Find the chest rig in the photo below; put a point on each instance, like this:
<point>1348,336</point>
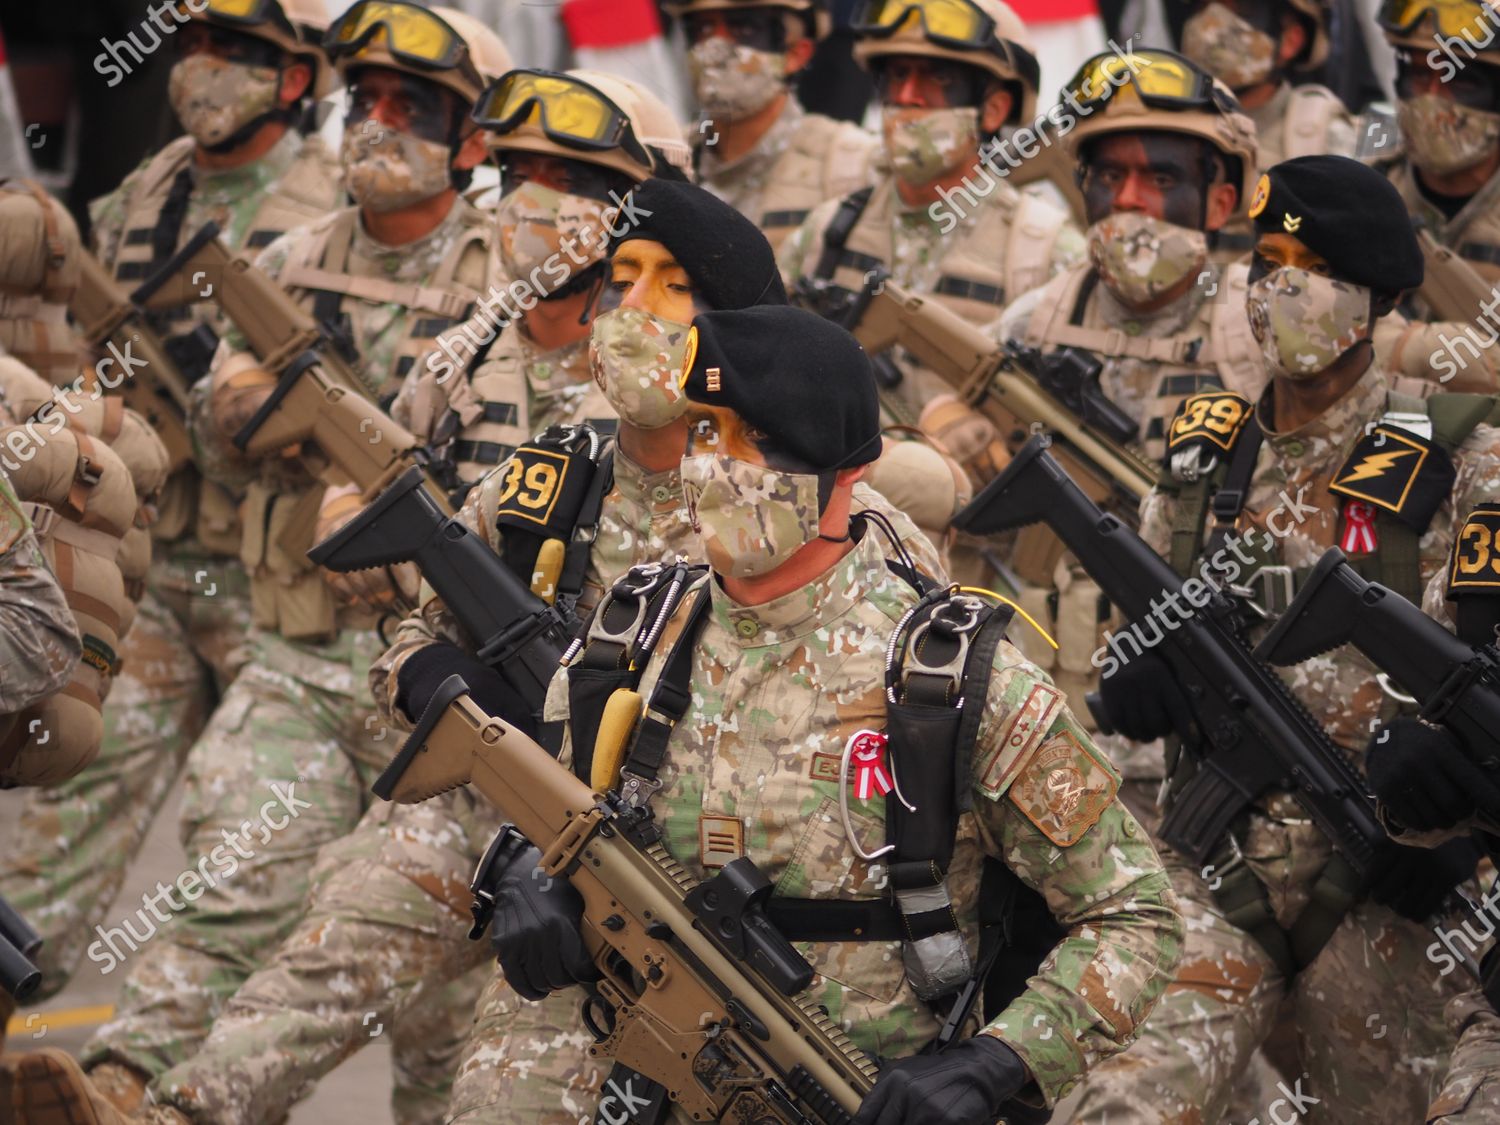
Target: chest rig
<point>825,159</point>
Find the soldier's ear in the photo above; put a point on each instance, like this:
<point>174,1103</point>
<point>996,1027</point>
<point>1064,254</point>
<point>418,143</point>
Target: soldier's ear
<point>845,478</point>
<point>995,110</point>
<point>296,80</point>
<point>799,53</point>
<point>1293,39</point>
<point>1223,199</point>
<point>472,151</point>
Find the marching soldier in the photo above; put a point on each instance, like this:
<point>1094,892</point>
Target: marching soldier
<point>239,87</point>
<point>1331,453</point>
<point>756,147</point>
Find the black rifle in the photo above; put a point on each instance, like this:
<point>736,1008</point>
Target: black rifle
<point>18,942</point>
<point>513,630</point>
<point>1457,686</point>
<point>1252,734</point>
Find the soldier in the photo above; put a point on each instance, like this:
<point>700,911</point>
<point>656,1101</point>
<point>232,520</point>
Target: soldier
<point>756,147</point>
<point>1331,453</point>
<point>238,87</point>
<point>1255,47</point>
<point>800,608</point>
<point>290,752</point>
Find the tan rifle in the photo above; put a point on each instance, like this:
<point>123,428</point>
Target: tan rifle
<point>1451,287</point>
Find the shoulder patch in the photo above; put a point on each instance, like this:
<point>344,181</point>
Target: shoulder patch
<point>1212,418</point>
<point>1476,554</point>
<point>1023,730</point>
<point>1399,471</point>
<point>1064,789</point>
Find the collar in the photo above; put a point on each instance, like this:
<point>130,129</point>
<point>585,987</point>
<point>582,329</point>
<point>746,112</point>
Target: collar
<point>412,260</point>
<point>248,179</point>
<point>569,361</point>
<point>1337,428</point>
<point>772,144</point>
<point>1447,230</point>
<point>816,606</point>
<point>660,492</point>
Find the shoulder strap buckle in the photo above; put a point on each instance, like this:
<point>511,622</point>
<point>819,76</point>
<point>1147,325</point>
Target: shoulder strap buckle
<point>1274,600</point>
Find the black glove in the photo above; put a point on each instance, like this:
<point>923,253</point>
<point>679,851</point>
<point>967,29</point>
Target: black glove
<point>968,1084</point>
<point>1414,881</point>
<point>1142,699</point>
<point>424,671</point>
<point>535,931</point>
<point>1425,779</point>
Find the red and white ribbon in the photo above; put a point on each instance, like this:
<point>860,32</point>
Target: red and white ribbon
<point>1359,528</point>
<point>866,749</point>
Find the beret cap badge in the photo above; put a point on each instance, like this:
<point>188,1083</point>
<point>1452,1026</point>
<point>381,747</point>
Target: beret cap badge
<point>1261,197</point>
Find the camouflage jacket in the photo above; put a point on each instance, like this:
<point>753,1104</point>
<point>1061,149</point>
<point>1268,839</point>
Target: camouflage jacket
<point>1289,492</point>
<point>777,691</point>
<point>39,642</point>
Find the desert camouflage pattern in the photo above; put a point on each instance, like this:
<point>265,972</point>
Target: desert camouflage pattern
<point>1471,1090</point>
<point>637,361</point>
<point>922,144</point>
<point>750,519</point>
<point>214,99</point>
<point>39,642</point>
<point>733,81</point>
<point>1227,46</point>
<point>1305,322</point>
<point>777,690</point>
<point>548,237</point>
<point>1374,974</point>
<point>387,169</point>
<point>1444,137</point>
<point>741,183</point>
<point>1140,257</point>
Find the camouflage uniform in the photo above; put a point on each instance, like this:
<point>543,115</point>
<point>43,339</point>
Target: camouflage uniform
<point>737,761</point>
<point>299,715</point>
<point>76,839</point>
<point>1372,998</point>
<point>40,641</point>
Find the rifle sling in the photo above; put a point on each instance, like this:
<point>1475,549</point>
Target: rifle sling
<point>836,234</point>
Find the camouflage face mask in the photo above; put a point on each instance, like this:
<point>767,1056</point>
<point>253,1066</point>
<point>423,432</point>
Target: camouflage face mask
<point>1305,322</point>
<point>750,519</point>
<point>215,99</point>
<point>922,144</point>
<point>637,361</point>
<point>1140,258</point>
<point>548,237</point>
<point>733,81</point>
<point>1229,47</point>
<point>387,169</point>
<point>1444,137</point>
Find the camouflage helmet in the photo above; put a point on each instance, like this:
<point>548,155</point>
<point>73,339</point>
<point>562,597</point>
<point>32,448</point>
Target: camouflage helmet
<point>814,13</point>
<point>1128,107</point>
<point>296,26</point>
<point>1008,54</point>
<point>651,123</point>
<point>39,271</point>
<point>1417,25</point>
<point>362,37</point>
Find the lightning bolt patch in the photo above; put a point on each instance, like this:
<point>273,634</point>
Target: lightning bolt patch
<point>1375,464</point>
<point>1397,470</point>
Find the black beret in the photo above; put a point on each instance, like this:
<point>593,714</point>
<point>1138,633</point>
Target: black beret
<point>731,263</point>
<point>1345,212</point>
<point>803,381</point>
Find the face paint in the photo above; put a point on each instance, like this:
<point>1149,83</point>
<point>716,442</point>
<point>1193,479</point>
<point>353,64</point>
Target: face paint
<point>733,81</point>
<point>386,170</point>
<point>549,236</point>
<point>1229,47</point>
<point>1443,136</point>
<point>637,361</point>
<point>750,519</point>
<point>1306,322</point>
<point>924,143</point>
<point>214,99</point>
<point>1162,175</point>
<point>1140,258</point>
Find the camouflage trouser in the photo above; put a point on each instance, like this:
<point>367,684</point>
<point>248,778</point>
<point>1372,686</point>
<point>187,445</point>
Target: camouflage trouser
<point>283,768</point>
<point>384,944</point>
<point>1369,1017</point>
<point>1471,1091</point>
<point>75,840</point>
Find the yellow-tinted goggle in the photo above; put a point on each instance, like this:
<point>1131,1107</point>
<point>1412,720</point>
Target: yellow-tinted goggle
<point>955,23</point>
<point>410,33</point>
<point>1452,18</point>
<point>1162,79</point>
<point>568,111</point>
<point>248,13</point>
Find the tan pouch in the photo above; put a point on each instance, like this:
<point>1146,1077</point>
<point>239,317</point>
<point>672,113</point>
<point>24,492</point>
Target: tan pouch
<point>218,519</point>
<point>287,593</point>
<point>176,507</point>
<point>1037,553</point>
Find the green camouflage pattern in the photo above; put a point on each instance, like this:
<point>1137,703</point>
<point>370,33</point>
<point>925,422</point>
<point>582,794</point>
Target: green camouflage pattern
<point>1139,257</point>
<point>1442,136</point>
<point>1228,46</point>
<point>214,98</point>
<point>637,361</point>
<point>749,519</point>
<point>387,169</point>
<point>39,643</point>
<point>1471,1089</point>
<point>1305,322</point>
<point>922,144</point>
<point>548,237</point>
<point>733,81</point>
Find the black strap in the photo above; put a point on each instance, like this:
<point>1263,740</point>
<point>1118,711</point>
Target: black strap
<point>481,452</point>
<point>1229,500</point>
<point>964,290</point>
<point>783,218</point>
<point>1085,291</point>
<point>818,919</point>
<point>1478,252</point>
<point>580,547</point>
<point>169,220</point>
<point>837,232</point>
<point>670,699</point>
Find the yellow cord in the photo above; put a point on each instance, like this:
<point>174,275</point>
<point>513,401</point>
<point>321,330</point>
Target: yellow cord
<point>1002,598</point>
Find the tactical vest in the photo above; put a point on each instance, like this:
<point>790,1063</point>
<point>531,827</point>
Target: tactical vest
<point>1474,233</point>
<point>34,317</point>
<point>1189,362</point>
<point>826,159</point>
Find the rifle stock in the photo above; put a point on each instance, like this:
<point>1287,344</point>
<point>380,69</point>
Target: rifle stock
<point>680,1007</point>
<point>1451,287</point>
<point>994,379</point>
